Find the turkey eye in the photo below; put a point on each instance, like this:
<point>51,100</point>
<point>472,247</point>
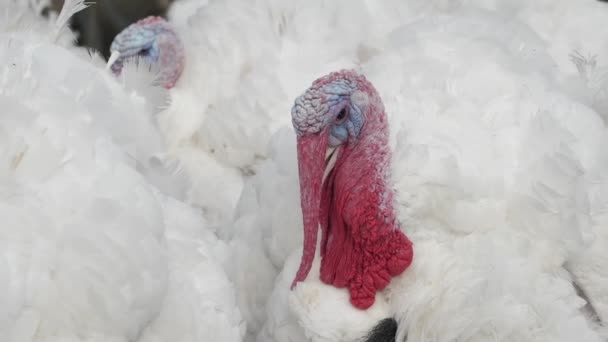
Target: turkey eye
<point>143,52</point>
<point>341,116</point>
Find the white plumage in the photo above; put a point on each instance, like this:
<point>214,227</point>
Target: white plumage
<point>92,250</point>
<point>499,176</point>
<point>498,161</point>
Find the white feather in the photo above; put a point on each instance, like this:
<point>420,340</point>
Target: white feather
<point>69,8</point>
<point>91,250</point>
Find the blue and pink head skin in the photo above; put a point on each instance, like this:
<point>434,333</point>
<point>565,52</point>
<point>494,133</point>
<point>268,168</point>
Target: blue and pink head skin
<point>344,169</point>
<point>153,40</point>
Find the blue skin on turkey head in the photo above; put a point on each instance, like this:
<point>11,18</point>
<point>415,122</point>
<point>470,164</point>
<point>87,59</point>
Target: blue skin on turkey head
<point>154,42</point>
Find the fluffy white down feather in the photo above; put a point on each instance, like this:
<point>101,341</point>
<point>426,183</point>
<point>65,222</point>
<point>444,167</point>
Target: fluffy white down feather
<point>90,248</point>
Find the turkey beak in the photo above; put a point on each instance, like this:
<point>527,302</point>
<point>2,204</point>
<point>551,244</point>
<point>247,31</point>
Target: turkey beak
<point>312,153</point>
<point>113,58</point>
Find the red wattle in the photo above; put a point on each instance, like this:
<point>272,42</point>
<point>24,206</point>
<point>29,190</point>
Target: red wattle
<point>364,246</point>
<point>364,257</point>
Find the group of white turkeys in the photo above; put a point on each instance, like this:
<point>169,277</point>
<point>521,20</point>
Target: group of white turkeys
<point>135,212</point>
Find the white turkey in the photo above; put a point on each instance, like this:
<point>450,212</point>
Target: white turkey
<point>500,185</point>
<point>95,244</point>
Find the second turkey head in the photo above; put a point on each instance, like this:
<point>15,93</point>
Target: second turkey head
<point>153,41</point>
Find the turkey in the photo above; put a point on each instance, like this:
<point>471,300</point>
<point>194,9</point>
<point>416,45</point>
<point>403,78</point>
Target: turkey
<point>153,40</point>
<point>500,187</point>
<point>175,50</point>
<point>96,244</point>
<point>474,267</point>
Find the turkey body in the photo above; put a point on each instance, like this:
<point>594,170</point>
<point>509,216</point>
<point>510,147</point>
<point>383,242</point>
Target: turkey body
<point>498,177</point>
<point>96,245</point>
